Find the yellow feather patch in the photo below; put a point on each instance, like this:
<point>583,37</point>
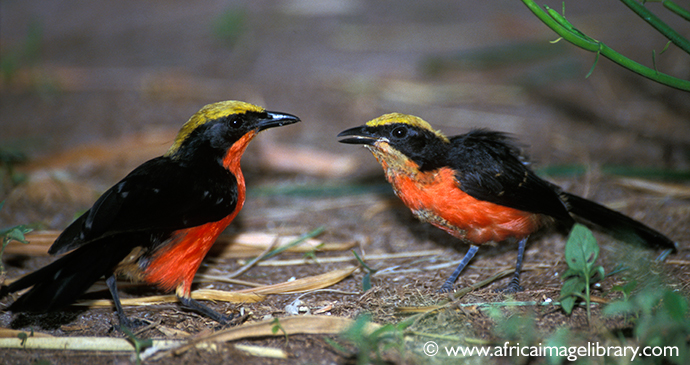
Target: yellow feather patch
<point>394,118</point>
<point>208,113</point>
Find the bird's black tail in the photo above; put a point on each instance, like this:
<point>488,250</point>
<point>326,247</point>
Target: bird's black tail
<point>63,281</point>
<point>618,225</point>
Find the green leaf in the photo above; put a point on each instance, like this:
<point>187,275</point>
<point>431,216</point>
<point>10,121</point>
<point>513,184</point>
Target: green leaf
<point>570,291</point>
<point>626,289</point>
<point>140,344</point>
<point>675,305</point>
<point>581,249</point>
<point>366,282</point>
<point>295,242</point>
<point>571,273</point>
<point>17,234</point>
<point>594,65</point>
<point>361,262</point>
<point>22,336</point>
<point>619,307</point>
<point>278,327</point>
<point>598,273</point>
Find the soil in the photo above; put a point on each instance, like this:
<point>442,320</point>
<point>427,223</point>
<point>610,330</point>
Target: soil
<point>114,82</point>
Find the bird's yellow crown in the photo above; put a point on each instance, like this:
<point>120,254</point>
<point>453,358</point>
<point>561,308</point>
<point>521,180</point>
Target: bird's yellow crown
<point>411,120</point>
<point>208,113</point>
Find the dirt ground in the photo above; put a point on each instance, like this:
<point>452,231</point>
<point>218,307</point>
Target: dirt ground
<point>92,89</point>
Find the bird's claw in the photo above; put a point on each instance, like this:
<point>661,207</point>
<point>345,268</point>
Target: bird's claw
<point>131,325</point>
<point>446,288</point>
<point>512,288</point>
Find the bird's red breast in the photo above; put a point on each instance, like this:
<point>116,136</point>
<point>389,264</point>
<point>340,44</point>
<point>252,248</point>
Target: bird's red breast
<point>435,197</point>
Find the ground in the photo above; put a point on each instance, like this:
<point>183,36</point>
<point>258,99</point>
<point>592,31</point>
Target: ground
<point>90,90</point>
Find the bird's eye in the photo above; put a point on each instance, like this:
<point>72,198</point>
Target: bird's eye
<point>399,132</point>
<point>236,122</point>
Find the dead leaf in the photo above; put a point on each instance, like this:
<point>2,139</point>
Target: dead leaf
<point>81,343</point>
<point>10,333</point>
<point>250,295</point>
<point>303,284</point>
<point>201,294</point>
<point>262,351</point>
<point>227,246</point>
<point>308,324</point>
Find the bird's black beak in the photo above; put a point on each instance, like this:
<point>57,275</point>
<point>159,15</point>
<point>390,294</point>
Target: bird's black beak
<point>276,119</point>
<point>358,135</point>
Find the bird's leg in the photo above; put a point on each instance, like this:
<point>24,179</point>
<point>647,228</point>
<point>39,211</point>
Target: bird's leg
<point>188,302</point>
<point>111,281</point>
<point>514,285</point>
<point>448,285</point>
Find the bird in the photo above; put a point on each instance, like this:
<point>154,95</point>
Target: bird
<point>157,224</point>
<point>479,188</point>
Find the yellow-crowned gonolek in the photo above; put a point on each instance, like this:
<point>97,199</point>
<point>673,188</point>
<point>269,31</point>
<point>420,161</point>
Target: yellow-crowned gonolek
<point>476,187</point>
<point>156,224</point>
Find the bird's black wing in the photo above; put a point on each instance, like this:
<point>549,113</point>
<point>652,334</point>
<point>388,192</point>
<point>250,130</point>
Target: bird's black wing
<point>489,168</point>
<point>161,195</point>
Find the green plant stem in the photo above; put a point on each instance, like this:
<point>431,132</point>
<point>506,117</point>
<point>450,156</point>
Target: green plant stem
<point>559,25</point>
<point>588,300</point>
<point>658,24</point>
<point>673,7</point>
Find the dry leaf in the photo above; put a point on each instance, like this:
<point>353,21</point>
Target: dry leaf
<point>252,243</point>
<point>422,309</point>
<point>324,309</point>
<point>251,295</point>
<point>10,333</point>
<point>241,245</point>
<point>172,332</point>
<point>348,258</point>
<point>261,351</point>
<point>303,284</point>
<point>81,343</point>
<point>313,325</point>
<point>201,294</point>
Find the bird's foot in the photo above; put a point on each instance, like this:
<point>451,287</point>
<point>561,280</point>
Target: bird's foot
<point>512,288</point>
<point>223,320</point>
<point>131,325</point>
<point>446,288</point>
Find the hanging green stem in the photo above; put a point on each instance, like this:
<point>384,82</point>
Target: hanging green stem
<point>673,7</point>
<point>659,25</point>
<point>559,24</point>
